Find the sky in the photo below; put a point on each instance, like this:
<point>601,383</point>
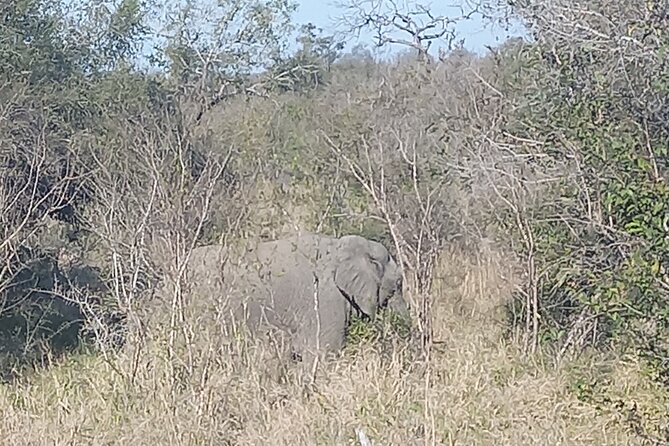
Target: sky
<point>475,31</point>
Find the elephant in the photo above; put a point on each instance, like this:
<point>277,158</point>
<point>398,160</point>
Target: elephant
<point>308,285</point>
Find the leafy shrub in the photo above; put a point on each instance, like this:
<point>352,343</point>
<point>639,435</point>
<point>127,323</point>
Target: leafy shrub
<point>599,236</point>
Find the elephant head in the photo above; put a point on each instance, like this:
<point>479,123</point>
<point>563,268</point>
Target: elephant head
<point>367,275</point>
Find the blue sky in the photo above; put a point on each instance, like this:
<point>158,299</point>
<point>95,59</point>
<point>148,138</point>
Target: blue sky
<point>475,31</point>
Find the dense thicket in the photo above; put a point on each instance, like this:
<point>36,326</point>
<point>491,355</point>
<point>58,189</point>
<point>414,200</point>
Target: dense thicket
<point>593,101</point>
<point>553,147</point>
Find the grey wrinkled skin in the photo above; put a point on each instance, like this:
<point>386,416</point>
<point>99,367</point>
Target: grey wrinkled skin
<point>308,285</point>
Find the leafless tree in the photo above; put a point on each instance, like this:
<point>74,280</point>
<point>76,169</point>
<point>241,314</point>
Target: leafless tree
<point>409,24</point>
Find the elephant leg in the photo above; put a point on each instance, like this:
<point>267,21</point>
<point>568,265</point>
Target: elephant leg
<point>317,337</point>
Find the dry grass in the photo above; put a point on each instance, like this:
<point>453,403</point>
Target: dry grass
<point>476,388</point>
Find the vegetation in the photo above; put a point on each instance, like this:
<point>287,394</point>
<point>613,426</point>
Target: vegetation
<point>524,192</point>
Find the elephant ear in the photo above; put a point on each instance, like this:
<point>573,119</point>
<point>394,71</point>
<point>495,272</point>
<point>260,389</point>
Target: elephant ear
<point>358,275</point>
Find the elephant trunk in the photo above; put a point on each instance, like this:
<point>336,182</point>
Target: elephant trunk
<point>390,291</point>
<point>398,305</point>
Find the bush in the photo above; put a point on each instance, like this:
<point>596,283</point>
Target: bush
<point>597,239</point>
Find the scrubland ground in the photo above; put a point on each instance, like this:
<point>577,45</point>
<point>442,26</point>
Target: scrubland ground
<point>476,387</point>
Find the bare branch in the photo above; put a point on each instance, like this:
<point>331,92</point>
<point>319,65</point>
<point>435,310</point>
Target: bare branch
<point>388,21</point>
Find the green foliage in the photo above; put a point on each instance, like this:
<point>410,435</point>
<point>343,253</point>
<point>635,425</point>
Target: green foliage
<point>310,66</point>
<point>359,331</point>
<point>213,44</point>
<point>387,328</point>
<point>72,94</point>
<point>601,244</point>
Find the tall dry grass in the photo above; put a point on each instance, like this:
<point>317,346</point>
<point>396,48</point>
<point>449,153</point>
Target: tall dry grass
<point>474,388</point>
